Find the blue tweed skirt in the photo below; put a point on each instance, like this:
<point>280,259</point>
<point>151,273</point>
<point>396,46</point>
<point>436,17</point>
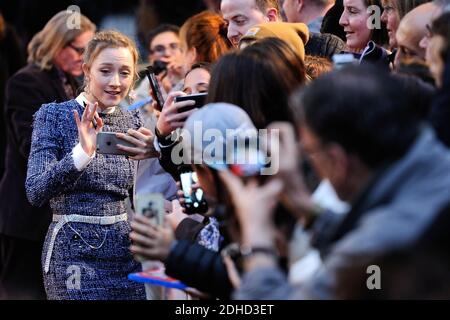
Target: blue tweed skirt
<point>91,262</point>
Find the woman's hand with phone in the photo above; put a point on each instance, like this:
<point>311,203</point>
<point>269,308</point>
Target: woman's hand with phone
<point>169,118</point>
<point>142,139</point>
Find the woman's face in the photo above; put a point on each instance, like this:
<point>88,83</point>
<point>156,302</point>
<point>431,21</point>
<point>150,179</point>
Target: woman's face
<point>354,20</point>
<point>434,58</point>
<point>70,58</point>
<point>110,76</point>
<point>391,18</point>
<point>196,81</point>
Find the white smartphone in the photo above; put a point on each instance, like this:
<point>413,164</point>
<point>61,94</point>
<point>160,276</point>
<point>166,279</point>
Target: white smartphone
<point>151,205</point>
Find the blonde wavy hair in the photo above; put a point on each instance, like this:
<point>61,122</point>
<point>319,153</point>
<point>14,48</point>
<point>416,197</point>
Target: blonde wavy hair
<point>110,39</point>
<point>55,36</point>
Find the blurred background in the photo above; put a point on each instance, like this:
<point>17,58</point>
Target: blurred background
<point>135,18</point>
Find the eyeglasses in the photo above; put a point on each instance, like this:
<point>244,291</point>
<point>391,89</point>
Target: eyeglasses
<point>160,49</point>
<point>79,50</point>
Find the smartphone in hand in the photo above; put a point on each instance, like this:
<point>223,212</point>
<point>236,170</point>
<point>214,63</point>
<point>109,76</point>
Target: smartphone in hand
<point>195,201</point>
<point>199,99</point>
<point>154,84</point>
<point>107,143</point>
<point>151,205</point>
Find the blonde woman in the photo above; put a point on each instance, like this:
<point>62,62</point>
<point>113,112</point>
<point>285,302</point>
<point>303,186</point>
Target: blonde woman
<point>54,60</point>
<point>86,252</point>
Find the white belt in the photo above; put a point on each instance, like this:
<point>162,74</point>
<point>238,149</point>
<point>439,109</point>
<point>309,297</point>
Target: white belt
<point>61,220</point>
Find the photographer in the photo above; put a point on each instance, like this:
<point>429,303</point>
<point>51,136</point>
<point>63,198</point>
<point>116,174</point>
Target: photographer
<point>166,55</point>
<point>393,175</point>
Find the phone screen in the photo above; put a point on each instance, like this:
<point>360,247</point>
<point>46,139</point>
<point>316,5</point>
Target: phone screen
<point>194,199</point>
<point>151,205</point>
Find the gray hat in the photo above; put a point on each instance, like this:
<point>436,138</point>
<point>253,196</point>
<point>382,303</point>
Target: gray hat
<point>218,134</point>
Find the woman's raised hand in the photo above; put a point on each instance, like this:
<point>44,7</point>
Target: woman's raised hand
<point>88,127</point>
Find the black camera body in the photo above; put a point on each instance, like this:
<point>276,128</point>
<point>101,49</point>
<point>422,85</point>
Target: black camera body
<point>159,67</point>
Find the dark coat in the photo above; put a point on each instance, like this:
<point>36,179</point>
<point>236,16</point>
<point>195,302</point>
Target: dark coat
<point>11,60</point>
<point>324,45</point>
<point>200,268</point>
<point>440,109</point>
<point>26,91</point>
<point>196,265</point>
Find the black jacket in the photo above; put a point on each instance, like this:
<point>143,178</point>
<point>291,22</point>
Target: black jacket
<point>324,45</point>
<point>199,268</point>
<point>11,60</point>
<point>26,91</point>
<point>440,108</point>
<point>165,157</point>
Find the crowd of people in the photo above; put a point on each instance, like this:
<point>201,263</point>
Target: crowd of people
<point>320,149</point>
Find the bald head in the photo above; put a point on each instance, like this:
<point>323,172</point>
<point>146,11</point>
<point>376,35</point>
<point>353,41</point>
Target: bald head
<point>413,27</point>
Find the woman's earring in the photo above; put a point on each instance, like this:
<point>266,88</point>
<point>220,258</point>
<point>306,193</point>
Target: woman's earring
<point>131,96</point>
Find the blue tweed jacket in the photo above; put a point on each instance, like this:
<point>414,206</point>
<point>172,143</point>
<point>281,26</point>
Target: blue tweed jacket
<point>99,252</point>
<point>53,176</point>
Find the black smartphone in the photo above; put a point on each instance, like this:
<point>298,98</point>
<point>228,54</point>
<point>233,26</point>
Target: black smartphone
<point>154,84</point>
<point>199,99</point>
<point>195,201</point>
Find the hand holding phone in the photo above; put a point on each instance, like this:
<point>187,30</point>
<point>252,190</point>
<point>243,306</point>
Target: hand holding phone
<point>154,84</point>
<point>195,201</point>
<point>199,99</point>
<point>151,206</point>
<point>169,118</point>
<point>107,144</point>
